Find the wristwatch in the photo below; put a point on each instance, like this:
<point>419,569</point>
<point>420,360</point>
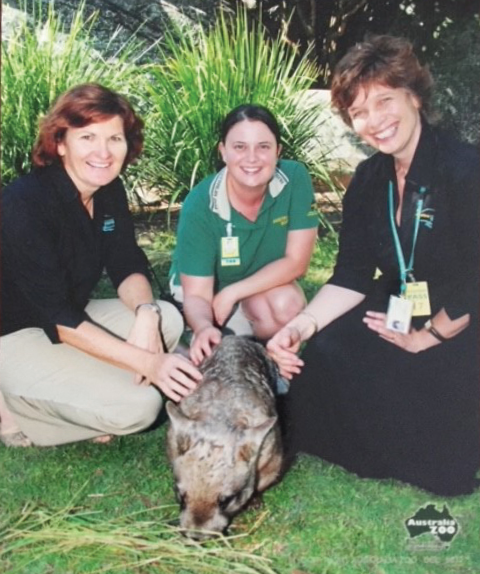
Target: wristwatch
<point>431,329</point>
<point>151,306</point>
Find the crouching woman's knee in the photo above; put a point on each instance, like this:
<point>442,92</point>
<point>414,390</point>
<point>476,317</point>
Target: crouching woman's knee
<point>287,301</point>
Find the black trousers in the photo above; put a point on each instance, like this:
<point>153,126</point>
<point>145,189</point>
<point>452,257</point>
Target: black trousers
<point>382,412</point>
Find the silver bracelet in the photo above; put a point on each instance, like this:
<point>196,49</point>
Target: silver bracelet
<point>312,318</point>
<point>151,306</point>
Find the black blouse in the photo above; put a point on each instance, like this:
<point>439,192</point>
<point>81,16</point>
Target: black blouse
<point>447,253</point>
<point>53,252</point>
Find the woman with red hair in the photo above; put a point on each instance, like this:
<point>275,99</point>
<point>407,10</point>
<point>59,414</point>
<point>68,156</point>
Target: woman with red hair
<point>72,368</point>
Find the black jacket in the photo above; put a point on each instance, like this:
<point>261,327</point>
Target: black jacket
<point>447,253</point>
<point>53,253</point>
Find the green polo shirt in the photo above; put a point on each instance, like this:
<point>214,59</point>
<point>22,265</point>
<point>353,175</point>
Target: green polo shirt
<point>207,217</point>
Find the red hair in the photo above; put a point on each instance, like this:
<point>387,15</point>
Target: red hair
<point>79,107</point>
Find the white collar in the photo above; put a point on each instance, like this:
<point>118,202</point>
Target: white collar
<point>219,203</point>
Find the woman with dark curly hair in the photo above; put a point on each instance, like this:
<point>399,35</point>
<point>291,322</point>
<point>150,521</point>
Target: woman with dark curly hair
<point>389,381</point>
<point>72,368</point>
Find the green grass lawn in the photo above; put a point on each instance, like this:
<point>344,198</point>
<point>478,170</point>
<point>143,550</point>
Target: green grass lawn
<point>86,508</point>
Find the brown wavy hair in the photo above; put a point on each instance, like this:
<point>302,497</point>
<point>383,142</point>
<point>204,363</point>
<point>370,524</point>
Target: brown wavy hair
<point>380,59</point>
<point>78,107</point>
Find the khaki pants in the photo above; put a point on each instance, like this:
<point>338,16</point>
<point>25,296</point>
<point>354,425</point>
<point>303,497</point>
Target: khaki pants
<point>58,394</point>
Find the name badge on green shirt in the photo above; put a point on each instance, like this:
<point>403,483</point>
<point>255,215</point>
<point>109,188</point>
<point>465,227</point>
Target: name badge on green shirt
<point>230,251</point>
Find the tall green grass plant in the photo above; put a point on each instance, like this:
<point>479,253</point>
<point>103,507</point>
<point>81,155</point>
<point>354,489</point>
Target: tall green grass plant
<point>40,60</point>
<point>206,74</point>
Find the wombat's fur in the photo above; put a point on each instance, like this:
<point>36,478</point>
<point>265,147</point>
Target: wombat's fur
<point>224,439</point>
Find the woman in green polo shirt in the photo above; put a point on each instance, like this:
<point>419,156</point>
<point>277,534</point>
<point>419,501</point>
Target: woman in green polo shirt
<point>245,235</point>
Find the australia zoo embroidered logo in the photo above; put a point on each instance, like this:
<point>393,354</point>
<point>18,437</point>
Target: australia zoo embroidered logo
<point>437,526</point>
<point>427,216</point>
<point>108,224</point>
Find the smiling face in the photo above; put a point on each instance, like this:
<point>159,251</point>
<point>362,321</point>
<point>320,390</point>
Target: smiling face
<point>93,155</point>
<point>250,152</point>
<point>388,119</point>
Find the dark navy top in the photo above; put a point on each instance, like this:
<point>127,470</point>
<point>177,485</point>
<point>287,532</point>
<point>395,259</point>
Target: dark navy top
<point>53,252</point>
<point>365,403</point>
<point>447,253</point>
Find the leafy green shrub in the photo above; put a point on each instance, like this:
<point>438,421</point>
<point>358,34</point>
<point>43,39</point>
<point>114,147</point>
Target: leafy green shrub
<point>456,69</point>
<point>40,60</point>
<point>206,74</point>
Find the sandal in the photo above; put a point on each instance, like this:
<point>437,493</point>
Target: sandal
<point>104,439</point>
<point>15,439</point>
<point>10,433</point>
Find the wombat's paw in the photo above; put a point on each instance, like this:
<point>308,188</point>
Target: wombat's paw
<point>256,502</point>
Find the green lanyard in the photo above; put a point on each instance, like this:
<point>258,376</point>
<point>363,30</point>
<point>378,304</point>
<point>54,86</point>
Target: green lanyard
<point>404,270</point>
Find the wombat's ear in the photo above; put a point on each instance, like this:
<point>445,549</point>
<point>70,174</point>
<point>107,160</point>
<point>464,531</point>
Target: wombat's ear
<point>180,422</point>
<point>253,437</point>
<point>263,428</point>
<point>180,425</point>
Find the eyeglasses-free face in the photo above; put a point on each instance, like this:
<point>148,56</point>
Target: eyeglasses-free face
<point>250,152</point>
<point>93,155</point>
<point>388,119</point>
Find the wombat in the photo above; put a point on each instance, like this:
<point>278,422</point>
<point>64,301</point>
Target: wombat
<point>224,439</point>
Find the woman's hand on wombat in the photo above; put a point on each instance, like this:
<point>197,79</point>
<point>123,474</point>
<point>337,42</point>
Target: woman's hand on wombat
<point>283,348</point>
<point>204,342</point>
<point>174,375</point>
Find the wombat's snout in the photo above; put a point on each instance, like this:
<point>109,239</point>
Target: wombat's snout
<point>202,516</point>
<point>200,527</point>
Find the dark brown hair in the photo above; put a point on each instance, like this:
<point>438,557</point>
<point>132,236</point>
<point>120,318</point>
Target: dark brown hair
<point>78,107</point>
<point>385,60</point>
<point>252,112</point>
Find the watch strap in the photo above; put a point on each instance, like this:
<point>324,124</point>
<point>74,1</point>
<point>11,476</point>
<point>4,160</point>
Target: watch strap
<point>431,329</point>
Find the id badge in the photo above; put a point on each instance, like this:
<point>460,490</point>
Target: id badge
<point>230,251</point>
<point>417,293</point>
<point>399,314</point>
